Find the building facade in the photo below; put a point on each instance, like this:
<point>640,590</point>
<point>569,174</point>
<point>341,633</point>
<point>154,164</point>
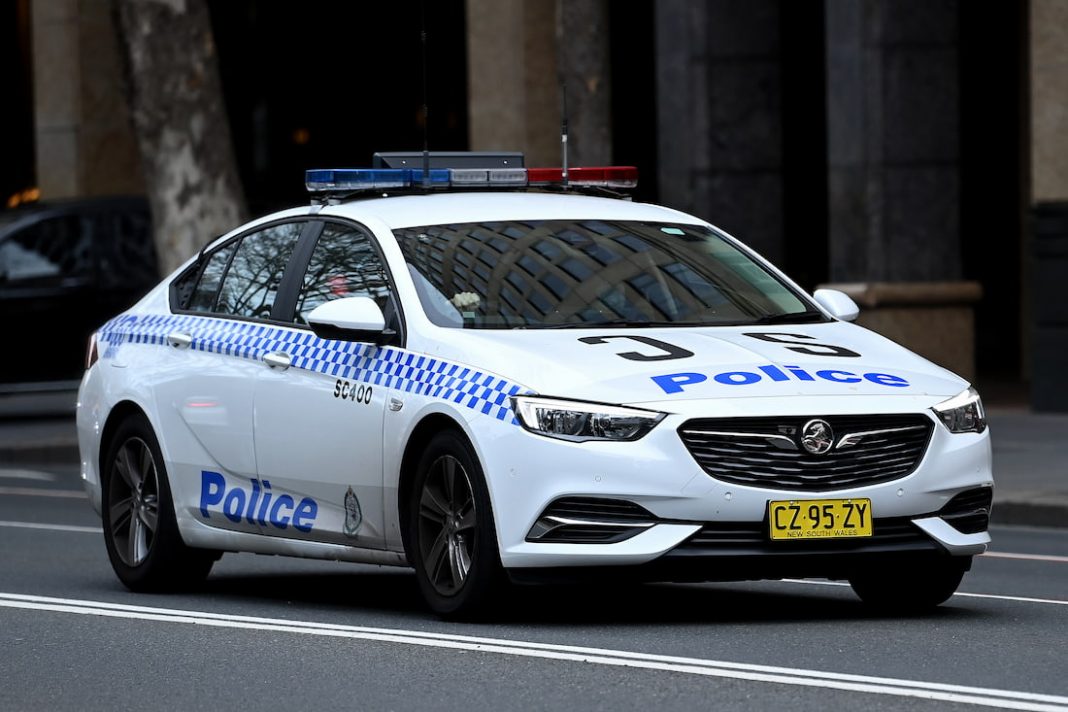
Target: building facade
<point>913,153</point>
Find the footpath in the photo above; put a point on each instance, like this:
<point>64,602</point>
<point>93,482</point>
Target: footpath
<point>1030,452</point>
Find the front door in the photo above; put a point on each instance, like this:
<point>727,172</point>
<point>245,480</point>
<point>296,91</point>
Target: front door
<point>318,415</point>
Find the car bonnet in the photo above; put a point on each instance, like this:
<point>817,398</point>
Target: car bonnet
<point>678,364</point>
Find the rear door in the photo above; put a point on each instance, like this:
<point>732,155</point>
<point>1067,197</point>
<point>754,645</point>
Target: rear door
<point>207,372</point>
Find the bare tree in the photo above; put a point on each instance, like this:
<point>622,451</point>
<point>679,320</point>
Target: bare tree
<point>175,99</point>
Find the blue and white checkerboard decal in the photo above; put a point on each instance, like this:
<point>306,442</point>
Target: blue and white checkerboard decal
<point>385,366</point>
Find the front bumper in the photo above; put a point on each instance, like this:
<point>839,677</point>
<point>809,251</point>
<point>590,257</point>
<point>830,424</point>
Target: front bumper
<point>527,472</point>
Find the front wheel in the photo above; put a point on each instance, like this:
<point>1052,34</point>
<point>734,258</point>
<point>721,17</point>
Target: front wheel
<point>910,588</point>
<point>140,530</point>
<point>451,537</point>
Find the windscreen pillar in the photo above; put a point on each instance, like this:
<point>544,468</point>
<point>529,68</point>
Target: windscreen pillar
<point>719,116</point>
<point>893,172</point>
<point>85,144</point>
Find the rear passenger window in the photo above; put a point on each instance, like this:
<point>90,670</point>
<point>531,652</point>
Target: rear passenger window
<point>203,298</point>
<point>242,277</point>
<point>251,283</point>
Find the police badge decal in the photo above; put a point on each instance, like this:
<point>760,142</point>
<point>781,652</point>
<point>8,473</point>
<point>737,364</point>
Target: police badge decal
<point>353,515</point>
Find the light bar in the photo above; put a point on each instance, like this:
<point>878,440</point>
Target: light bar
<point>375,179</point>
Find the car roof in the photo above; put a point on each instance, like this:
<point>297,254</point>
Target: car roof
<point>16,219</point>
<point>450,208</point>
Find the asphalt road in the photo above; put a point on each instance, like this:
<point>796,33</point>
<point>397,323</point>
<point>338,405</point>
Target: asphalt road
<point>267,633</point>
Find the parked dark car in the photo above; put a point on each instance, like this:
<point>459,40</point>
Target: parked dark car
<point>66,267</point>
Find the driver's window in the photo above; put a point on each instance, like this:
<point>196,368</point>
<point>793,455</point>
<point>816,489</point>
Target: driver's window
<point>343,264</point>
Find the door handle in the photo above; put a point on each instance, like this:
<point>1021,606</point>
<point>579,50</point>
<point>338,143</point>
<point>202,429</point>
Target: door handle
<point>279,359</point>
<point>179,340</point>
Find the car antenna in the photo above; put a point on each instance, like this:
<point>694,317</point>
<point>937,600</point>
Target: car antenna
<point>563,128</point>
<point>426,106</point>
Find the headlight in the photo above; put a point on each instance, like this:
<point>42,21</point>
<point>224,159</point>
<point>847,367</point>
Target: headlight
<point>963,413</point>
<point>578,421</point>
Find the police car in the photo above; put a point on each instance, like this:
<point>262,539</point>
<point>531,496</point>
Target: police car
<point>501,375</point>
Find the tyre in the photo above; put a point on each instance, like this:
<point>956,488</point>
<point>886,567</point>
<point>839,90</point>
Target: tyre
<point>140,531</point>
<point>910,588</point>
<point>451,537</point>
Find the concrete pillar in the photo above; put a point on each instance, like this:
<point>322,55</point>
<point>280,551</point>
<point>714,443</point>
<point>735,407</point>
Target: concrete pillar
<point>719,115</point>
<point>892,140</point>
<point>583,57</point>
<point>894,173</point>
<point>85,143</point>
<point>1046,264</point>
<point>1049,100</point>
<point>514,97</point>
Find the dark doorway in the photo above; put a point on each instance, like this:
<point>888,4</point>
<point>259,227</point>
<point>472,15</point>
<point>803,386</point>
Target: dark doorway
<point>632,57</point>
<point>328,84</point>
<point>992,97</point>
<point>16,120</point>
<point>804,142</point>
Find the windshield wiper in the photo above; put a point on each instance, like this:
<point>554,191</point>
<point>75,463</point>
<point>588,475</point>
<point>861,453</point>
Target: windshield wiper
<point>804,317</point>
<point>614,324</point>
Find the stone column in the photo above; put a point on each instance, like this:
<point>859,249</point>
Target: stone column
<point>893,172</point>
<point>1046,264</point>
<point>583,58</point>
<point>85,143</point>
<point>892,140</point>
<point>719,115</point>
<point>514,97</point>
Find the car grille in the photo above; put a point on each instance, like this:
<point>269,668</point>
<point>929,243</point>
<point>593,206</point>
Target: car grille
<point>727,535</point>
<point>767,452</point>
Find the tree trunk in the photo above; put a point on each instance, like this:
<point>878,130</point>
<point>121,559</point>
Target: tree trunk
<point>583,61</point>
<point>175,98</point>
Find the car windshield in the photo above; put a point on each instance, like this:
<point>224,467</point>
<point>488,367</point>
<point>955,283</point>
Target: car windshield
<point>558,274</point>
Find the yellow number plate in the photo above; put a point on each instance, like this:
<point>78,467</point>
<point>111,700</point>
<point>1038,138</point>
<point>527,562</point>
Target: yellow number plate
<point>819,518</point>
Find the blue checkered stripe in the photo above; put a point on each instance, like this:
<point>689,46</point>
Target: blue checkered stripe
<point>380,366</point>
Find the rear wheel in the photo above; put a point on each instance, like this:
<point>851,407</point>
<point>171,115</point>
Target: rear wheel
<point>451,538</point>
<point>140,530</point>
<point>912,587</point>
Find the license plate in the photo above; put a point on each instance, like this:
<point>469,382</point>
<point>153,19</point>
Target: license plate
<point>819,518</point>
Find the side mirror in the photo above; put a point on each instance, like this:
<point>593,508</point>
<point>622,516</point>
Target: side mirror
<point>350,319</point>
<point>839,304</point>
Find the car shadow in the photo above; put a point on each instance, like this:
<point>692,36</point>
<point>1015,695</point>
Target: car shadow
<point>394,592</point>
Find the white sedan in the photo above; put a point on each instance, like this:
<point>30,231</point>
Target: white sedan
<point>521,383</point>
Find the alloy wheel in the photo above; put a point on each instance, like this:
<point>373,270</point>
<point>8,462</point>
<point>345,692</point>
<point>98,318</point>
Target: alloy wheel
<point>447,521</point>
<point>133,502</point>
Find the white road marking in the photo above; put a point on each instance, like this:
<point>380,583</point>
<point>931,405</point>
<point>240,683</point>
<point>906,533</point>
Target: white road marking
<point>1028,557</point>
<point>1003,699</point>
<point>27,475</point>
<point>811,582</point>
<point>1018,599</point>
<point>38,492</point>
<point>53,527</point>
